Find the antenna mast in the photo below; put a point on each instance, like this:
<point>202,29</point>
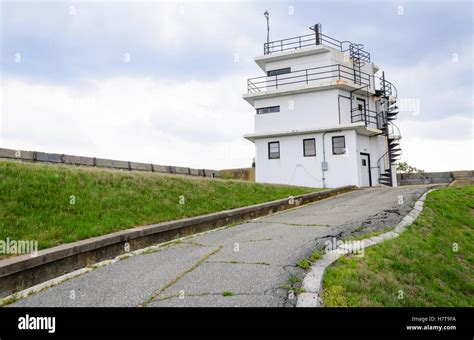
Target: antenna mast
<point>267,16</point>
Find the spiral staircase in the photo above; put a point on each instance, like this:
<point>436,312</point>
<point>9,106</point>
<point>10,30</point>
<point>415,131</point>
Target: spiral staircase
<point>386,163</point>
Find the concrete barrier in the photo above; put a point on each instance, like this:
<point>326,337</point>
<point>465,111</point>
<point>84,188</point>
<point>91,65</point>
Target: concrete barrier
<point>110,163</point>
<point>17,154</point>
<point>79,160</point>
<point>181,170</point>
<point>424,178</point>
<point>24,271</point>
<point>160,168</point>
<point>140,166</point>
<point>101,162</point>
<point>194,172</point>
<point>48,157</point>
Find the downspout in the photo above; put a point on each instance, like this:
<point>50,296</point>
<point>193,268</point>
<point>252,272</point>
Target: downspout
<point>324,156</point>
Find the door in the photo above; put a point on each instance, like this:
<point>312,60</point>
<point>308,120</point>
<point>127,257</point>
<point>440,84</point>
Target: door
<point>361,113</point>
<point>366,178</point>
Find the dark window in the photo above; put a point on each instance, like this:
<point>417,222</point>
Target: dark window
<point>269,109</point>
<point>309,147</point>
<point>279,71</point>
<point>364,162</point>
<point>361,104</point>
<point>273,150</point>
<point>338,145</point>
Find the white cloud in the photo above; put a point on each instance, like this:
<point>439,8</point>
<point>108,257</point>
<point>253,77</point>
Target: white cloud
<point>442,86</point>
<point>438,155</point>
<point>441,145</point>
<point>197,124</point>
<point>200,123</point>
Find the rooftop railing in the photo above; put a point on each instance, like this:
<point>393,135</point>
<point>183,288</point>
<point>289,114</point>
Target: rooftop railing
<point>312,39</point>
<point>317,74</point>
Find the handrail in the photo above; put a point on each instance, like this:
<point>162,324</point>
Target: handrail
<point>311,40</point>
<point>378,162</point>
<point>334,71</point>
<point>394,134</point>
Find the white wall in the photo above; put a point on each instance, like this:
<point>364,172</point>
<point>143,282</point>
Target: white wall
<point>317,60</point>
<point>294,169</point>
<point>299,111</point>
<point>318,109</point>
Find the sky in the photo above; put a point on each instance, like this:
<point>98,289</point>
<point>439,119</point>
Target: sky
<point>162,82</point>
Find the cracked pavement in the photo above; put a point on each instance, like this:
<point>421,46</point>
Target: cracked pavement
<point>249,261</point>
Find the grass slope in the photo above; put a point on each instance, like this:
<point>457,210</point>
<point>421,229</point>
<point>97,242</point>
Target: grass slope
<point>419,268</point>
<point>35,200</point>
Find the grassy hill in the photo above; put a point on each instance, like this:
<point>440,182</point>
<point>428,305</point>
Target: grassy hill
<point>57,204</point>
<point>431,264</point>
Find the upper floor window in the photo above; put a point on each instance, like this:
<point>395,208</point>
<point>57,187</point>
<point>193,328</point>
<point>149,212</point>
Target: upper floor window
<point>279,71</point>
<point>274,150</point>
<point>338,145</point>
<point>269,109</point>
<point>309,147</point>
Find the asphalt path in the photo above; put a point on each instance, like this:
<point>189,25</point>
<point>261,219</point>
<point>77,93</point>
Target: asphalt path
<point>242,265</point>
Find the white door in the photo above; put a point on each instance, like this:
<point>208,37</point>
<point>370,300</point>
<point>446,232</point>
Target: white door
<point>365,170</point>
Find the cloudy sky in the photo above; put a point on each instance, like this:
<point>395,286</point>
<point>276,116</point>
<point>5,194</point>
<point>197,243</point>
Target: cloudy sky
<point>162,82</point>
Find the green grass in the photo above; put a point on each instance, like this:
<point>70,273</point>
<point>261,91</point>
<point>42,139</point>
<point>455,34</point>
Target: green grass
<point>35,200</point>
<point>304,264</point>
<point>419,268</point>
<point>316,255</point>
<point>227,293</point>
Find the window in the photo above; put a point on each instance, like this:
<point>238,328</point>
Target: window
<point>274,150</point>
<point>279,71</point>
<point>269,109</point>
<point>338,145</point>
<point>309,147</point>
<point>361,105</point>
<point>364,162</point>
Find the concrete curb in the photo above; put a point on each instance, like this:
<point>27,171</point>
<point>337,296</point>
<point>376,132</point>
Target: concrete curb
<point>21,272</point>
<point>313,281</point>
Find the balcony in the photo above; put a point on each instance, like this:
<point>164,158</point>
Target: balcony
<point>314,39</point>
<point>318,75</point>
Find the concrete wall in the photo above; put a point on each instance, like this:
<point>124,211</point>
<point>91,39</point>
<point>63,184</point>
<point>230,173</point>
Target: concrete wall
<point>424,178</point>
<point>299,111</point>
<point>43,157</point>
<point>294,169</point>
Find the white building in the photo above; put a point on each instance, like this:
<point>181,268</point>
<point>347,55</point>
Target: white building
<point>323,118</point>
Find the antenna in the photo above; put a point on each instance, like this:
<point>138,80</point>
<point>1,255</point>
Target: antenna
<point>317,33</point>
<point>267,16</point>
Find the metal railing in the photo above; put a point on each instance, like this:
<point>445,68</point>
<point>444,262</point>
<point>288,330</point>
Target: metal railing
<point>311,75</point>
<point>393,132</point>
<point>312,39</point>
<point>367,116</point>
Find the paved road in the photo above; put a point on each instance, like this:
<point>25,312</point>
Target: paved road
<point>250,261</point>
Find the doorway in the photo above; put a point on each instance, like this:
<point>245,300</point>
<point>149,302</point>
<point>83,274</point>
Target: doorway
<point>366,176</point>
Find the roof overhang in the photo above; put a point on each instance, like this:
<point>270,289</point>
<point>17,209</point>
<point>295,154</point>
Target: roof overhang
<point>288,54</point>
<point>360,129</point>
